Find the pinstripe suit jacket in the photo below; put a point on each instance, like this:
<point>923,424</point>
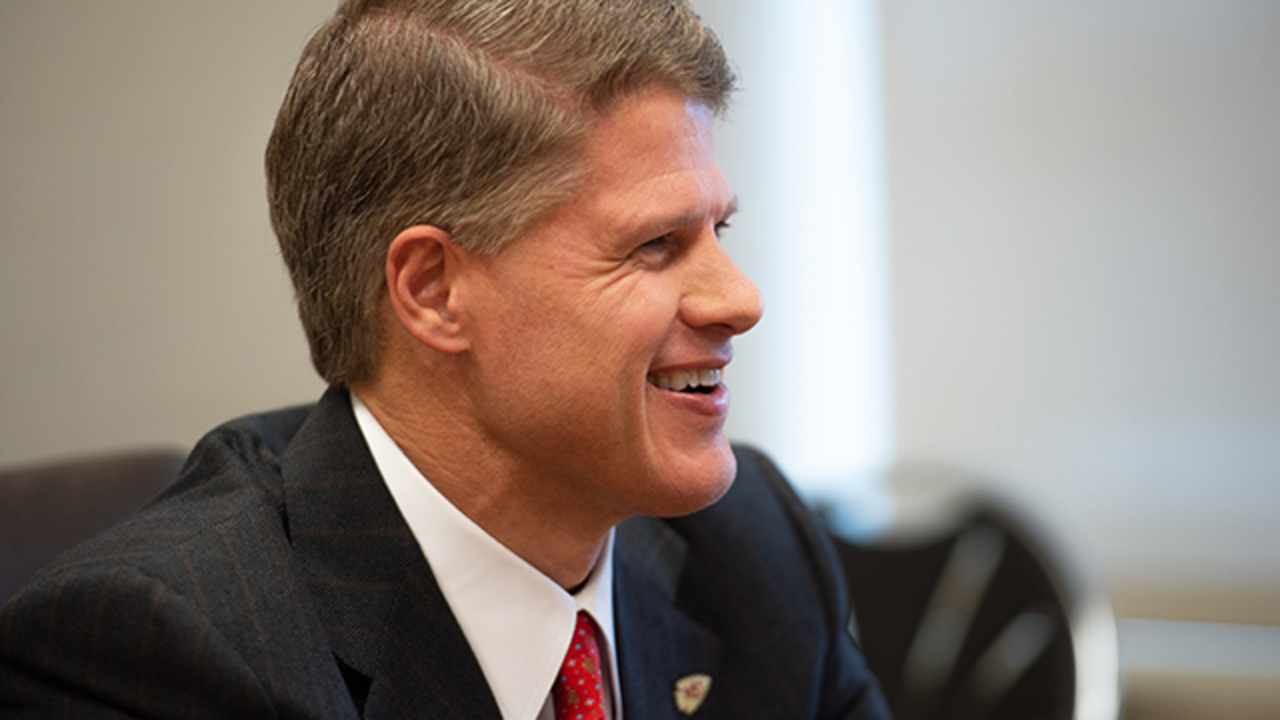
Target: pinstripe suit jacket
<point>277,579</point>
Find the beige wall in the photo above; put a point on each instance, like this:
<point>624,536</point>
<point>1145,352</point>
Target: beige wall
<point>1085,224</point>
<point>141,296</point>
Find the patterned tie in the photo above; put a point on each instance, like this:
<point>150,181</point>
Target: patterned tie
<point>578,692</point>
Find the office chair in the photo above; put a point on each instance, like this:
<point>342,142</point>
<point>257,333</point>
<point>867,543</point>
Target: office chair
<point>980,619</point>
<point>47,508</point>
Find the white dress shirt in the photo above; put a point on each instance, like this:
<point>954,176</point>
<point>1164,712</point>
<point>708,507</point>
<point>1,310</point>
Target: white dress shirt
<point>517,620</point>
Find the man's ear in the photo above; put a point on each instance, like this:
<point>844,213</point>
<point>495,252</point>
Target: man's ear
<point>422,264</point>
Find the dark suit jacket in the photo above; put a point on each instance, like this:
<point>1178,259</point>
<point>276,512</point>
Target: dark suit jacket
<point>278,579</point>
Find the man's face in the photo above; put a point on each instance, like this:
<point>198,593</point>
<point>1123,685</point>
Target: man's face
<point>599,336</point>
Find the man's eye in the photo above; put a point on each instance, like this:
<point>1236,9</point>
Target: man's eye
<point>657,246</point>
<point>721,227</point>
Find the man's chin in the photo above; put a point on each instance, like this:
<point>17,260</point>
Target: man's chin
<point>695,484</point>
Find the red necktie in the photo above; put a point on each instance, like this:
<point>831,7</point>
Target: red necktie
<point>578,692</point>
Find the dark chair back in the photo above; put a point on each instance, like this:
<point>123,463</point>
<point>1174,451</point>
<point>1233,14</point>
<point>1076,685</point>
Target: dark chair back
<point>977,620</point>
<point>47,508</point>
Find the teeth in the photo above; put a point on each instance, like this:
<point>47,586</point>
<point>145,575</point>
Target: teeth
<point>684,379</point>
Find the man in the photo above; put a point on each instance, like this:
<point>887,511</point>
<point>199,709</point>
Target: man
<point>501,221</point>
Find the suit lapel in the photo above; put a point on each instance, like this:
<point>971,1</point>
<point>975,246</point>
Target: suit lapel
<point>658,643</point>
<point>395,639</point>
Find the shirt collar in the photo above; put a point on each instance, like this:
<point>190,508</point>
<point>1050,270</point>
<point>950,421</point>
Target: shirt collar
<point>517,621</point>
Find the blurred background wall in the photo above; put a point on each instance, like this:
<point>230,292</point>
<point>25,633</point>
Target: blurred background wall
<point>1085,213</point>
<point>1044,252</point>
<point>1080,278</point>
<point>141,294</point>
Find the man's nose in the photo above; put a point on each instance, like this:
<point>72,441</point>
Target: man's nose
<point>720,294</point>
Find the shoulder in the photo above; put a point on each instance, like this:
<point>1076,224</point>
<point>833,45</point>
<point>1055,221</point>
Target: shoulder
<point>231,476</point>
<point>174,596</point>
<point>761,573</point>
<point>764,534</point>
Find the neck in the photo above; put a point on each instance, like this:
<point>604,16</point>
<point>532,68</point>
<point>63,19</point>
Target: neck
<point>527,511</point>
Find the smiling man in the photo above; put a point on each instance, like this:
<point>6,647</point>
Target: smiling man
<point>584,358</point>
<point>516,500</point>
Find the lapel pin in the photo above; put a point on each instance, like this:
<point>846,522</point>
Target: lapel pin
<point>691,690</point>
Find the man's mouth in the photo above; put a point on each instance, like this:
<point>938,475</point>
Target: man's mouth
<point>693,381</point>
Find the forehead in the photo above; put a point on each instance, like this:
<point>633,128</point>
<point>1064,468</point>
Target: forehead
<point>651,129</point>
<point>653,157</point>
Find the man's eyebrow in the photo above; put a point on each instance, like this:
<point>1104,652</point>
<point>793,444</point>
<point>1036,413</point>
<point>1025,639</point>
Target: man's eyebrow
<point>667,224</point>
